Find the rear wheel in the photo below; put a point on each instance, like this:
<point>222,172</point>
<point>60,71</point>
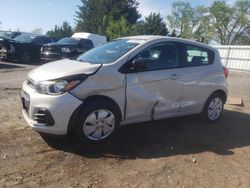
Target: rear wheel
<point>213,108</point>
<point>98,121</point>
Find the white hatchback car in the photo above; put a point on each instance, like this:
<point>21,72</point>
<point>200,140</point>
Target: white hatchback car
<point>128,80</point>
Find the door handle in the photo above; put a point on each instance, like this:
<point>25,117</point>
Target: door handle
<point>174,76</point>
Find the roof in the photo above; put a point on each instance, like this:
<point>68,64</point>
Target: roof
<point>157,37</point>
<point>144,37</point>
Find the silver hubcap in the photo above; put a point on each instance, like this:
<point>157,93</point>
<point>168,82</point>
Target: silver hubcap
<point>99,124</point>
<point>215,108</point>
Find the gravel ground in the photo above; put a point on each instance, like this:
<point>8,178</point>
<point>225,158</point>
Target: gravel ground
<point>179,152</point>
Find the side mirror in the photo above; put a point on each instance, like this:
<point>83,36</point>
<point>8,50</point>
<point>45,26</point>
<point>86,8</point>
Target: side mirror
<point>140,64</point>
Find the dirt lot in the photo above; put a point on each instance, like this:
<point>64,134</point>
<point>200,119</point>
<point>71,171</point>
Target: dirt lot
<point>180,152</point>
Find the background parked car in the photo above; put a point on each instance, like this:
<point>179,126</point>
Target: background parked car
<point>65,48</point>
<point>71,47</point>
<point>23,48</point>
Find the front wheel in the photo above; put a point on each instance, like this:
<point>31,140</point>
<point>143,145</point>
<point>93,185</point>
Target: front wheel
<point>213,108</point>
<point>98,121</point>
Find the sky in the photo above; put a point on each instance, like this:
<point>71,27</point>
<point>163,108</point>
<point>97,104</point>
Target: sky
<point>27,15</point>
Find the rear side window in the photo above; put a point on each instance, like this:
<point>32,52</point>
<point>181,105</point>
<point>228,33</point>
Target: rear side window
<point>15,34</point>
<point>86,44</point>
<point>39,41</point>
<point>197,56</point>
<point>46,40</point>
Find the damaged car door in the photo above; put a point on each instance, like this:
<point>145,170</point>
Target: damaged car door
<point>153,89</point>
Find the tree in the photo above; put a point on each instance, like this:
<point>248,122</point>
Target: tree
<point>38,31</point>
<point>153,25</point>
<point>120,28</point>
<point>61,31</point>
<point>244,39</point>
<point>187,21</point>
<point>92,15</point>
<point>229,24</point>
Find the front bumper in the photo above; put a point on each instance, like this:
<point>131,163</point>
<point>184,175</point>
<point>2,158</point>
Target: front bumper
<point>60,108</point>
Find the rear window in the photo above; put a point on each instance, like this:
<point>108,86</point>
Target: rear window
<point>197,56</point>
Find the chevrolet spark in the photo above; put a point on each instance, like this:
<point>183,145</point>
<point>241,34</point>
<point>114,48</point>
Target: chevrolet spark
<point>125,81</point>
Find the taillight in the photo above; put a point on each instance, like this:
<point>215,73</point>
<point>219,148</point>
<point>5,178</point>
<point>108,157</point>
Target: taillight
<point>226,72</point>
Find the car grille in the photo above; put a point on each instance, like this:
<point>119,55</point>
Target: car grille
<point>43,116</point>
<point>40,117</point>
<point>53,49</point>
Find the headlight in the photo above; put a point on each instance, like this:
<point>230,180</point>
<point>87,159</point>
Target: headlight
<point>66,50</point>
<point>56,87</point>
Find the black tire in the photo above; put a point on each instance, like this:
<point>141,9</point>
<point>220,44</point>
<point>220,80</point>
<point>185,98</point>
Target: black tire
<point>205,112</point>
<point>89,108</point>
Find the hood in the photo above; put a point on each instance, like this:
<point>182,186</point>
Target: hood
<point>6,40</point>
<point>62,68</point>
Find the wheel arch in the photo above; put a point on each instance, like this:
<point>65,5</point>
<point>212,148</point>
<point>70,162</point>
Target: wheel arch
<point>74,116</point>
<point>218,91</point>
<point>221,93</point>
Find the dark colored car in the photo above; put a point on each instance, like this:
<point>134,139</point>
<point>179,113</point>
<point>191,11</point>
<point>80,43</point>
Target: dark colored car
<point>10,34</point>
<point>65,48</point>
<point>23,48</point>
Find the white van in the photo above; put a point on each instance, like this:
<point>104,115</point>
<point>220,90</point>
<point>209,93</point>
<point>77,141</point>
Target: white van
<point>96,39</point>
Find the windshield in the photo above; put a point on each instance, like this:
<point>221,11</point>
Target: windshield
<point>68,40</point>
<point>25,38</point>
<point>109,52</point>
<point>6,34</point>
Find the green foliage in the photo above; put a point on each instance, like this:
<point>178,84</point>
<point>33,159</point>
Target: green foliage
<point>61,31</point>
<point>221,22</point>
<point>229,24</point>
<point>244,39</point>
<point>153,25</point>
<point>93,15</point>
<point>189,22</point>
<point>120,28</point>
